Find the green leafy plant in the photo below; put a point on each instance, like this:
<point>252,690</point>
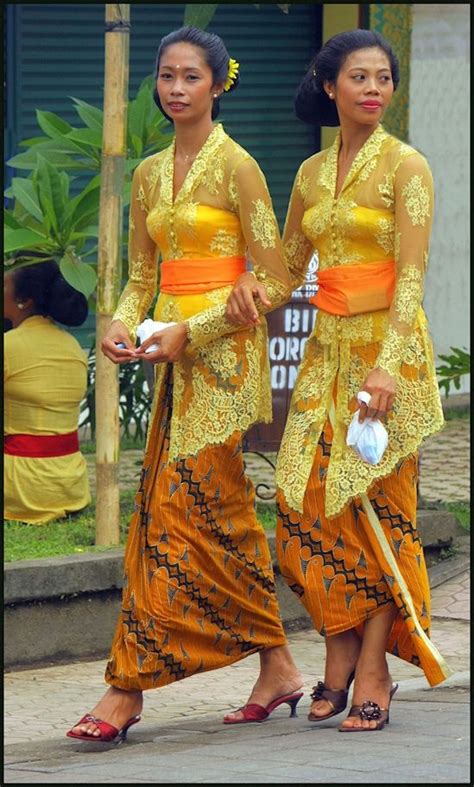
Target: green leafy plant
<point>134,400</point>
<point>79,149</point>
<point>45,223</point>
<point>455,366</point>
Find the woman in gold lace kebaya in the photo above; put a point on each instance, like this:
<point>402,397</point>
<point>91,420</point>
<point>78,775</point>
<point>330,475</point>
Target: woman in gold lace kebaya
<point>199,591</point>
<point>346,534</point>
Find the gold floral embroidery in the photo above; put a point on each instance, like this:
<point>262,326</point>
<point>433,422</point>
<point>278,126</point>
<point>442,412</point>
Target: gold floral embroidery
<point>385,189</point>
<point>264,228</point>
<point>367,170</point>
<point>141,268</point>
<point>408,293</point>
<point>396,245</point>
<point>417,200</point>
<point>302,184</point>
<point>384,236</point>
<point>131,223</point>
<point>219,295</point>
<point>392,350</point>
<point>317,218</point>
<point>141,198</point>
<point>127,311</point>
<point>214,175</point>
<point>155,171</point>
<point>225,243</point>
<point>296,251</point>
<point>233,192</point>
<point>343,350</point>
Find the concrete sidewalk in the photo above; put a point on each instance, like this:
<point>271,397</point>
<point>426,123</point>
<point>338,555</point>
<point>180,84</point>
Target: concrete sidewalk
<point>182,739</point>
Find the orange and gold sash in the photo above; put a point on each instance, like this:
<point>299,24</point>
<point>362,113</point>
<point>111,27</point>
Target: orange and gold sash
<point>190,277</point>
<point>355,289</point>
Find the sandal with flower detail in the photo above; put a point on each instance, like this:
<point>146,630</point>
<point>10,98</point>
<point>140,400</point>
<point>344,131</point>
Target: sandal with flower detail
<point>371,711</point>
<point>336,698</point>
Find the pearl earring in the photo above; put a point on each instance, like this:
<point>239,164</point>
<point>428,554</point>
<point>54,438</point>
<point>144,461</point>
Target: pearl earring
<point>331,95</point>
<point>21,305</point>
<point>216,95</point>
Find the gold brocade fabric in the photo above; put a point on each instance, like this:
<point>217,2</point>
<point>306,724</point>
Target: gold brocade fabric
<point>223,208</point>
<point>383,211</point>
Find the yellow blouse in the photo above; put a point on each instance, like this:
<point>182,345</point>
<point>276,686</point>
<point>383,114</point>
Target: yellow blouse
<point>383,212</point>
<point>45,381</point>
<point>222,383</point>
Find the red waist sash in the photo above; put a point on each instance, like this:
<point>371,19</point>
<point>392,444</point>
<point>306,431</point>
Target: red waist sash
<point>190,277</point>
<point>39,446</point>
<point>355,289</point>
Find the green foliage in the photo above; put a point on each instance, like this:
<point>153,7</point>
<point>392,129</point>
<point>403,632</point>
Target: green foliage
<point>201,14</point>
<point>134,400</point>
<point>455,366</point>
<point>68,536</point>
<point>80,149</point>
<point>462,512</point>
<point>45,223</point>
<point>76,533</point>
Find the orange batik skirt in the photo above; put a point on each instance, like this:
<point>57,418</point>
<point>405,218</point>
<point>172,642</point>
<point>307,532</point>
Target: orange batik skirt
<point>346,569</point>
<point>199,590</point>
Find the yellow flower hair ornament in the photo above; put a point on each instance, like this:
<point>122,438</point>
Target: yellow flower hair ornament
<point>231,74</point>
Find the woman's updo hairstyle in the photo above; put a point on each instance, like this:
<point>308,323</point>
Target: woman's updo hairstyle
<point>50,293</point>
<point>215,55</point>
<point>312,103</point>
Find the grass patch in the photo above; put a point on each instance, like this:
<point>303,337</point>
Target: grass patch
<point>69,536</point>
<point>75,534</point>
<point>457,414</point>
<point>266,515</point>
<point>462,512</point>
<point>126,444</point>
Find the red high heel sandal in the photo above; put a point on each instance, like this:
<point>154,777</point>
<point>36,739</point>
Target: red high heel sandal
<point>108,732</point>
<point>253,712</point>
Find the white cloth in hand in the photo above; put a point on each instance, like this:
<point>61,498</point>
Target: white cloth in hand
<point>147,328</point>
<point>369,439</point>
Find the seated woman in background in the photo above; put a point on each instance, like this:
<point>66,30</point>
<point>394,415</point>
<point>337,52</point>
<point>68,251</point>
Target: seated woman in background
<point>45,474</point>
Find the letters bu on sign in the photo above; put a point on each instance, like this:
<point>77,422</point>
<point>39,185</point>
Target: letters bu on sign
<point>288,329</point>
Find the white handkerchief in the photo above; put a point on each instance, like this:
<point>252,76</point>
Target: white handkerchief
<point>147,328</point>
<point>369,438</point>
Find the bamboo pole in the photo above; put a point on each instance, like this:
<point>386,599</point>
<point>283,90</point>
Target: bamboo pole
<point>114,150</point>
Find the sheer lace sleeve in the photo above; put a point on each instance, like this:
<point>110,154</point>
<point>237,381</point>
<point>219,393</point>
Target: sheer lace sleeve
<point>249,195</point>
<point>142,261</point>
<point>298,249</point>
<point>413,191</point>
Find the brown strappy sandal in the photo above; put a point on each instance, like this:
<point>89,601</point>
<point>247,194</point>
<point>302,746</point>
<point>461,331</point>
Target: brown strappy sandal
<point>371,711</point>
<point>336,698</point>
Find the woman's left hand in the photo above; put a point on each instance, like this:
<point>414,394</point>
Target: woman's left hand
<point>241,309</point>
<point>382,387</point>
<point>171,343</point>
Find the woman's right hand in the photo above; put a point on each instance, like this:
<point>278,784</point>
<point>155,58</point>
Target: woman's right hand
<point>118,334</point>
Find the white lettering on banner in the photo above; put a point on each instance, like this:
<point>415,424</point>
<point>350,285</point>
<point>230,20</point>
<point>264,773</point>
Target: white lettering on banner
<point>288,348</point>
<point>284,377</point>
<point>287,351</point>
<point>299,320</point>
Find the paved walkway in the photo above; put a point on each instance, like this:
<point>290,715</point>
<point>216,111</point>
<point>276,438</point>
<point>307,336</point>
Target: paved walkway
<point>444,465</point>
<point>182,739</point>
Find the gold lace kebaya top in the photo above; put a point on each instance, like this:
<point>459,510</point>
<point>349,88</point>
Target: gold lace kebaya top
<point>383,212</point>
<point>223,209</point>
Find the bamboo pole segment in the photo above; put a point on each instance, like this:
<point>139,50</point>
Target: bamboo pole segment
<point>114,151</point>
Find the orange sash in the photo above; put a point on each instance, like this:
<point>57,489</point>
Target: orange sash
<point>355,289</point>
<point>190,277</point>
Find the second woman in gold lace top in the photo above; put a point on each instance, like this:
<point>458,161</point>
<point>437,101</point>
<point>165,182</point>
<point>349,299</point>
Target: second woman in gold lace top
<point>383,212</point>
<point>222,209</point>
